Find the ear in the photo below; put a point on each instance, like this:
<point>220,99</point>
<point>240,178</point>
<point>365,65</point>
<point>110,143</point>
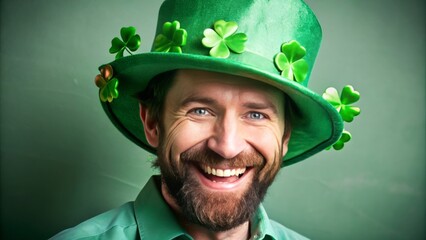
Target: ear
<point>150,126</point>
<point>286,139</point>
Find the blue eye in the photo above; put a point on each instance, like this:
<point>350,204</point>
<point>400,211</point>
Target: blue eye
<point>200,111</point>
<point>256,115</point>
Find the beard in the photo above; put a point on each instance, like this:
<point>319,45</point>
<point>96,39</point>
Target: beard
<point>216,211</point>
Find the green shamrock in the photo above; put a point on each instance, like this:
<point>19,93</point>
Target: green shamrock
<point>223,38</point>
<point>172,38</point>
<point>131,42</point>
<point>342,103</point>
<point>290,61</point>
<point>344,138</point>
<point>107,84</point>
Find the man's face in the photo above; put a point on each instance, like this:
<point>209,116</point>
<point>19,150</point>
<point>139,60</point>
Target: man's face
<point>220,145</point>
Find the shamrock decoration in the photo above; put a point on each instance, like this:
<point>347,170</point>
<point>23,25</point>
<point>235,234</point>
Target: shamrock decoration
<point>342,104</point>
<point>346,111</point>
<point>290,61</point>
<point>107,84</point>
<point>172,38</point>
<point>223,38</point>
<point>346,137</point>
<point>131,42</point>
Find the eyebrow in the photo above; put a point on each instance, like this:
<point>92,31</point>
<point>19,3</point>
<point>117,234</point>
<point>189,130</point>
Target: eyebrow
<point>261,106</point>
<point>199,99</point>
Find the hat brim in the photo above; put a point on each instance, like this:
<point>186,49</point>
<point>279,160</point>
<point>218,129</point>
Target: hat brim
<point>316,124</point>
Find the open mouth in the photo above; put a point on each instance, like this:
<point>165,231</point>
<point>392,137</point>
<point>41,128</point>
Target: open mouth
<point>217,175</point>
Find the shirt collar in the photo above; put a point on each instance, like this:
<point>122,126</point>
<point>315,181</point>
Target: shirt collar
<point>154,217</point>
<point>260,225</point>
<point>156,220</point>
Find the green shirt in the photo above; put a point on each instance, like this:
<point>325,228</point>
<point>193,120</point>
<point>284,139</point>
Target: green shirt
<point>149,217</point>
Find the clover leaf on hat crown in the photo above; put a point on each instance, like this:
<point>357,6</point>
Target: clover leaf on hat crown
<point>130,42</point>
<point>172,39</point>
<point>223,39</point>
<point>290,61</point>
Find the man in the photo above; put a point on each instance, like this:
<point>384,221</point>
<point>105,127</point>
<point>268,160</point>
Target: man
<point>223,101</point>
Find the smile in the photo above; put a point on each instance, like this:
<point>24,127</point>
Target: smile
<point>223,172</point>
<point>223,179</point>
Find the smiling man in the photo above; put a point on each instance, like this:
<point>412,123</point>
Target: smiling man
<point>222,100</point>
<point>220,141</point>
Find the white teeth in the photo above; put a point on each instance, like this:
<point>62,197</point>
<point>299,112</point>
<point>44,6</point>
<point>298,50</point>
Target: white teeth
<point>224,172</point>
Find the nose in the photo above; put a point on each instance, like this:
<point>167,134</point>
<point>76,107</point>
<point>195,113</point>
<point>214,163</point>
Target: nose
<point>227,139</point>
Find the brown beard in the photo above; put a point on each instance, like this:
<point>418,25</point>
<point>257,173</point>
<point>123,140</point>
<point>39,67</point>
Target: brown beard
<point>215,211</point>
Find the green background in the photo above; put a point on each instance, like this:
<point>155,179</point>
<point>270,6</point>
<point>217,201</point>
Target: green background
<point>62,161</point>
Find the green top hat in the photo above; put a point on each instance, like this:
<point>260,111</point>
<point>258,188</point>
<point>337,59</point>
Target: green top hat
<point>273,41</point>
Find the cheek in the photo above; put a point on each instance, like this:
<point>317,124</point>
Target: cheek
<point>182,135</point>
<point>268,141</point>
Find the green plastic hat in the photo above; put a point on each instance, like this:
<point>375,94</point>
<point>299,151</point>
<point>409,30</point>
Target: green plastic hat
<point>273,41</point>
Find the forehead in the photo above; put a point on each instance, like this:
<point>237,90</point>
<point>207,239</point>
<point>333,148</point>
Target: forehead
<point>192,82</point>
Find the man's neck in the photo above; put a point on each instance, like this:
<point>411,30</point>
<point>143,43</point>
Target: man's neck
<point>199,232</point>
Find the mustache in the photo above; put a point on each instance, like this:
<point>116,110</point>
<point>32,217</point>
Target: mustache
<point>204,155</point>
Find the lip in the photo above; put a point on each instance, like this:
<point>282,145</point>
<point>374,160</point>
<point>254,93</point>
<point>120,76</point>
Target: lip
<point>222,186</point>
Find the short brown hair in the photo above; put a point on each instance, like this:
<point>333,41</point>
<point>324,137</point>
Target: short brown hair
<point>154,95</point>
